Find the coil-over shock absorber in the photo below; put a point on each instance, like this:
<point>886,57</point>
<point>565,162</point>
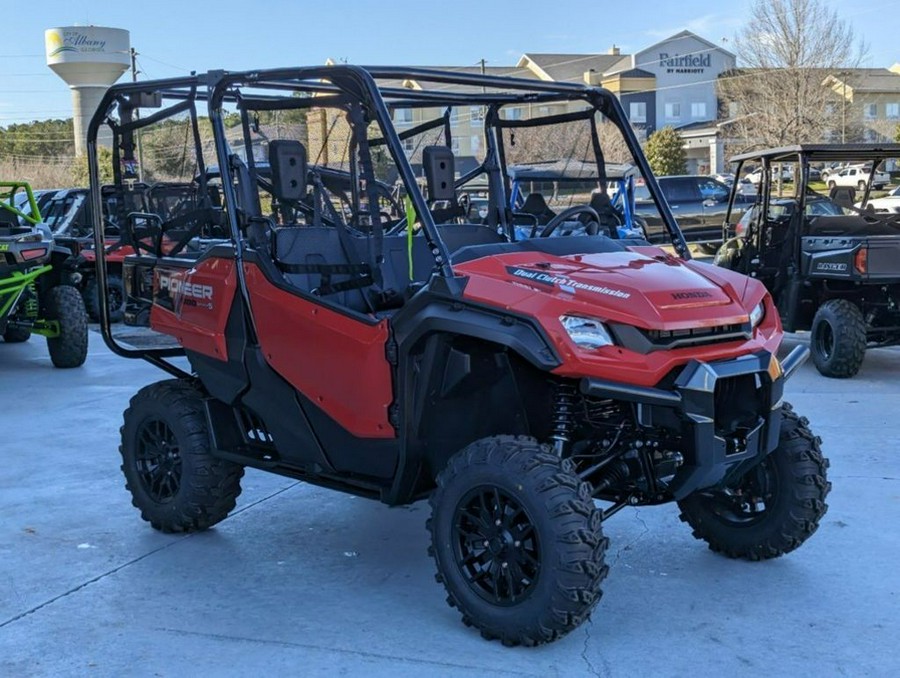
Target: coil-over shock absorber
<point>564,403</point>
<point>30,308</point>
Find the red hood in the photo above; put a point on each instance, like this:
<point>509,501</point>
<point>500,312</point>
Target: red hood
<point>644,286</point>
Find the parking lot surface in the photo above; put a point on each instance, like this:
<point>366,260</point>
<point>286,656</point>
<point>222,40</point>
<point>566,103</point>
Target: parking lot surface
<point>309,582</point>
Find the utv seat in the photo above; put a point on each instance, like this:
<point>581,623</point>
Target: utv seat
<point>537,206</point>
<point>843,196</point>
<point>610,217</point>
<point>396,273</point>
<point>313,247</point>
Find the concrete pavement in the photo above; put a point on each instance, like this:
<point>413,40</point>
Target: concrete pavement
<point>309,582</point>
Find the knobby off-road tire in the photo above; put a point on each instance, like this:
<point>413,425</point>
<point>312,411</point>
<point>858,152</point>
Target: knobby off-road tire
<point>16,335</point>
<point>115,294</point>
<point>64,305</point>
<point>774,507</point>
<point>174,480</point>
<point>506,499</point>
<point>838,339</point>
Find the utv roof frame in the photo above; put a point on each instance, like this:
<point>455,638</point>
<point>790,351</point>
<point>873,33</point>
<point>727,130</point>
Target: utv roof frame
<point>348,83</point>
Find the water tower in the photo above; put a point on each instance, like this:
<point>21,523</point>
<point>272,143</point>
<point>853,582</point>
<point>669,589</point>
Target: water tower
<point>89,59</point>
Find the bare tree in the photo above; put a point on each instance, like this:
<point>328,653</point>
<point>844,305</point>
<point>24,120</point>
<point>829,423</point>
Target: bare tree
<point>777,95</point>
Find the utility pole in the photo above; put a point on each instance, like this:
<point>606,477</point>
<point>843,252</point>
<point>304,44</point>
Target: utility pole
<point>137,115</point>
<point>844,108</point>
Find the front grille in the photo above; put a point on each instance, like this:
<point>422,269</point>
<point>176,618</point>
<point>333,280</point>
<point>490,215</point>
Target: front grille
<point>695,336</point>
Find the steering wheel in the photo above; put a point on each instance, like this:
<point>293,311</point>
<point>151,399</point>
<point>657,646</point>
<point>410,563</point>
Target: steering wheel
<point>591,228</point>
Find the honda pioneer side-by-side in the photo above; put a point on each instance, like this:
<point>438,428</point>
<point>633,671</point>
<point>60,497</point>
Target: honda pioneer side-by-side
<point>398,345</point>
<point>36,282</point>
<point>830,261</point>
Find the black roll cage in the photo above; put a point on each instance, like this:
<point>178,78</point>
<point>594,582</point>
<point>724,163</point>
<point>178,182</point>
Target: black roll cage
<point>338,84</point>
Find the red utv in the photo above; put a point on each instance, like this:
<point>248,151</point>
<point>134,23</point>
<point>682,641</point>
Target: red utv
<point>529,389</point>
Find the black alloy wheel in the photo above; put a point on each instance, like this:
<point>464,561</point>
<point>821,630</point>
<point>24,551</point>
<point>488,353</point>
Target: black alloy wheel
<point>496,545</point>
<point>747,501</point>
<point>838,338</point>
<point>773,507</point>
<point>174,478</point>
<point>517,540</point>
<point>158,460</point>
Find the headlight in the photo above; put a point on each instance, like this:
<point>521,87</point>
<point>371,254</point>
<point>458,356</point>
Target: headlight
<point>587,333</point>
<point>757,314</point>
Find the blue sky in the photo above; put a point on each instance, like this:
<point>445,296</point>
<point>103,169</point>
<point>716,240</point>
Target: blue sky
<point>174,38</point>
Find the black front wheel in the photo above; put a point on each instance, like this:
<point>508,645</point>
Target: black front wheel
<point>174,480</point>
<point>838,339</point>
<point>517,541</point>
<point>774,507</point>
<point>69,347</point>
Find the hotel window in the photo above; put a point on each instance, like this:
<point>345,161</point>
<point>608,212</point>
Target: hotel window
<point>454,117</point>
<point>475,143</point>
<point>402,115</point>
<point>673,111</point>
<point>637,111</point>
<point>512,113</point>
<point>892,111</point>
<point>698,110</point>
<point>454,145</point>
<point>409,145</point>
<point>870,111</point>
<point>476,115</point>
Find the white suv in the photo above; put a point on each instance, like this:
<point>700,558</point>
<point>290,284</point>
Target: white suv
<point>857,176</point>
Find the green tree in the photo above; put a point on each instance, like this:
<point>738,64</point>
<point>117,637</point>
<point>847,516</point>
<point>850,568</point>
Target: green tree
<point>40,139</point>
<point>80,170</point>
<point>897,134</point>
<point>665,152</point>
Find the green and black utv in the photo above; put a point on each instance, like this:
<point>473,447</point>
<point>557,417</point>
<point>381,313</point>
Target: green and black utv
<point>36,281</point>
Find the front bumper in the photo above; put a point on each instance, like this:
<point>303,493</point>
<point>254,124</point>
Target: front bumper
<point>726,414</point>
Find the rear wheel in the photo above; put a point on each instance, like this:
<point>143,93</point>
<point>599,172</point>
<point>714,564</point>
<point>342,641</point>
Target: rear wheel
<point>65,306</point>
<point>838,339</point>
<point>115,296</point>
<point>16,335</point>
<point>174,480</point>
<point>517,541</point>
<point>774,507</point>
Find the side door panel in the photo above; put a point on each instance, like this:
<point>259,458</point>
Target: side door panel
<point>336,361</point>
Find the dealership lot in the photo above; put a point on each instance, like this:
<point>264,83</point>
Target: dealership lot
<point>311,582</point>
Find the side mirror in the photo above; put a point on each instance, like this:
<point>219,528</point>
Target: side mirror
<point>440,172</point>
<point>287,159</point>
<point>145,100</point>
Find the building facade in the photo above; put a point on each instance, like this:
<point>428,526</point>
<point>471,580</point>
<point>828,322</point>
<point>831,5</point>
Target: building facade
<point>673,83</point>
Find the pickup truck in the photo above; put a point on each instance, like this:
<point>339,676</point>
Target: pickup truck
<point>698,203</point>
<point>857,176</point>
